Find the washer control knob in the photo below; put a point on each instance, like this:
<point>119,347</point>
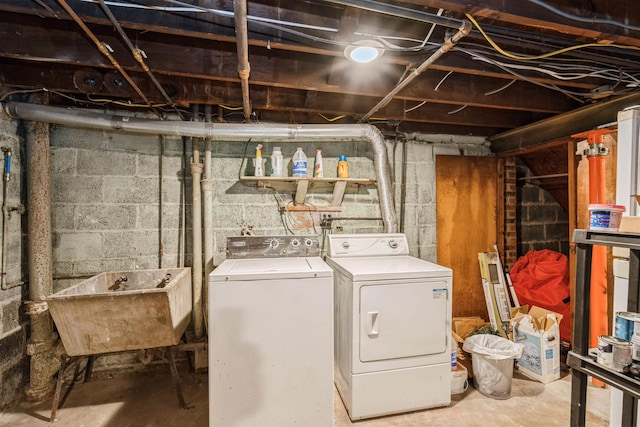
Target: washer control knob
<point>393,244</point>
<point>274,243</point>
<point>308,242</point>
<point>295,243</point>
<point>345,245</point>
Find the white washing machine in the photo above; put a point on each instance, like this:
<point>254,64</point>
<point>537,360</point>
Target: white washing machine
<point>392,326</point>
<point>271,335</point>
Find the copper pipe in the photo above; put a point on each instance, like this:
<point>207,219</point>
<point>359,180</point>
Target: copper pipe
<point>242,42</point>
<point>103,49</point>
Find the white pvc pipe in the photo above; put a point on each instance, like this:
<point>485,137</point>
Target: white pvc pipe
<point>207,212</point>
<point>228,132</point>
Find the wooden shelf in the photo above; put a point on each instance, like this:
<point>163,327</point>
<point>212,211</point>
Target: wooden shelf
<point>300,186</point>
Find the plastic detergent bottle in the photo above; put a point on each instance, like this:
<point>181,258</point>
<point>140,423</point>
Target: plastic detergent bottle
<point>299,163</point>
<point>258,161</point>
<point>318,171</point>
<point>277,162</point>
<point>343,167</point>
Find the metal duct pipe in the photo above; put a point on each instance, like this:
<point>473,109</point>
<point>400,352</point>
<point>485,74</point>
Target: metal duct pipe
<point>242,43</point>
<point>465,28</point>
<point>196,228</point>
<point>43,346</point>
<point>228,132</point>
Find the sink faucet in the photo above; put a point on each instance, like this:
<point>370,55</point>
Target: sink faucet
<point>164,281</point>
<point>116,285</point>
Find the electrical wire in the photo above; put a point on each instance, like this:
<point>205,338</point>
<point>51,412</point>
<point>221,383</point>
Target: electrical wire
<point>457,110</point>
<point>342,116</point>
<point>545,55</point>
<point>280,202</point>
<point>408,110</point>
<point>571,94</point>
<point>276,24</point>
<point>15,92</point>
<point>572,69</point>
<point>433,27</point>
<point>435,89</point>
<point>586,20</point>
<point>493,92</point>
<point>226,107</point>
<point>603,74</point>
<point>124,103</point>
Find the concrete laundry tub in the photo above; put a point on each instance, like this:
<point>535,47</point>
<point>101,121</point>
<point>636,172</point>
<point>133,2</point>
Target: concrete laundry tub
<point>120,311</point>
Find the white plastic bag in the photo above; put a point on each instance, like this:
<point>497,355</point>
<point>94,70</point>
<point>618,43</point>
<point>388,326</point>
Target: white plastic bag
<point>492,346</point>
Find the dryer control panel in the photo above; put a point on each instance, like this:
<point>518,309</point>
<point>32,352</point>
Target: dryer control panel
<point>272,246</point>
<point>356,245</point>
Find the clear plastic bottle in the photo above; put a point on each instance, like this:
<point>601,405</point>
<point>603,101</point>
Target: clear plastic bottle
<point>318,171</point>
<point>343,167</point>
<point>277,162</point>
<point>299,163</point>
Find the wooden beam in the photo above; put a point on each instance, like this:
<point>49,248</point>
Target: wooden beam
<point>535,16</point>
<point>563,125</point>
<point>203,61</point>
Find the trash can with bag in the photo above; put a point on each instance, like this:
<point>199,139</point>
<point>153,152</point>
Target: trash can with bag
<point>492,360</point>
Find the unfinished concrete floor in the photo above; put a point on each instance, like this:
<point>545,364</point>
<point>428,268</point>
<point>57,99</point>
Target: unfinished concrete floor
<point>148,399</point>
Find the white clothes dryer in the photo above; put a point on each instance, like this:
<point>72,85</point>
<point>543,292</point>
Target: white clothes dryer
<point>392,326</point>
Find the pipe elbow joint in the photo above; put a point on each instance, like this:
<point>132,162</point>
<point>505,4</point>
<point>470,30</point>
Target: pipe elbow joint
<point>465,28</point>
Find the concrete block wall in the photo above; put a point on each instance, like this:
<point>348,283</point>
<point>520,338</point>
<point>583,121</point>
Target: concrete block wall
<point>541,222</point>
<point>106,193</point>
<point>123,202</point>
<point>14,367</point>
<point>420,201</point>
<point>242,207</point>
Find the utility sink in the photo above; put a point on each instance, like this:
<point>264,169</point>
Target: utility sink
<point>120,311</point>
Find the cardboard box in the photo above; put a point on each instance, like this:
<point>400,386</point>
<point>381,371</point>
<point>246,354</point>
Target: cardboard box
<point>539,331</point>
<point>461,328</point>
<point>628,224</point>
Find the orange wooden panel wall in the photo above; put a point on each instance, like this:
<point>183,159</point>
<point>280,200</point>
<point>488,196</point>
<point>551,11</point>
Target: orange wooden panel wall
<point>466,224</point>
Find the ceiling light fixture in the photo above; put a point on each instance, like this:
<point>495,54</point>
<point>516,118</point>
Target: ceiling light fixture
<point>364,51</point>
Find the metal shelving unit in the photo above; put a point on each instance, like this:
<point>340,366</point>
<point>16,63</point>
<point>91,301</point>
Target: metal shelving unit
<point>579,360</point>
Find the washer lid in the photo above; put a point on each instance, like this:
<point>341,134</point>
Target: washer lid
<point>386,268</point>
<point>270,268</point>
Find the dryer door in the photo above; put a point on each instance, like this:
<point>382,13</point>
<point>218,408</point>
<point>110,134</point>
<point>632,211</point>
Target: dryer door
<point>403,320</point>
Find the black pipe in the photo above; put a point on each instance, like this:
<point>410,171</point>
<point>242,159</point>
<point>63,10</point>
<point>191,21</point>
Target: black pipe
<point>402,12</point>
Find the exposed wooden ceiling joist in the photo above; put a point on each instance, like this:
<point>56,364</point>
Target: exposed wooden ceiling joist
<point>304,71</point>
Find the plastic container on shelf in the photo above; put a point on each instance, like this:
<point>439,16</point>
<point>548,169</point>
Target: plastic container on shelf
<point>605,217</point>
<point>318,170</point>
<point>299,163</point>
<point>259,171</point>
<point>343,167</point>
<point>277,162</point>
